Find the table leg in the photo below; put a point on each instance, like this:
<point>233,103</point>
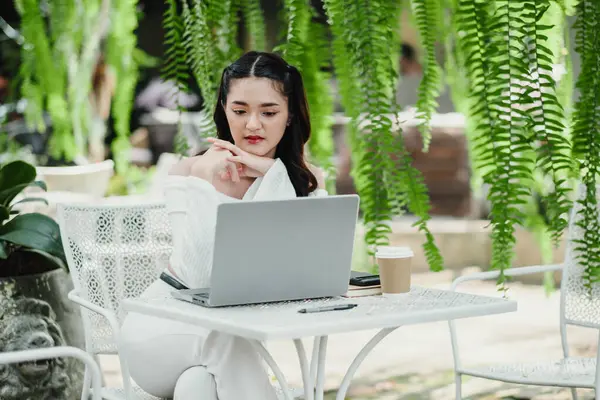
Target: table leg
<point>341,394</point>
<point>322,353</point>
<point>314,359</point>
<point>307,380</point>
<point>274,367</point>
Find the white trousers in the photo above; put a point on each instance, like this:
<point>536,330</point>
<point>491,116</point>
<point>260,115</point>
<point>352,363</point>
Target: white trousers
<point>163,358</point>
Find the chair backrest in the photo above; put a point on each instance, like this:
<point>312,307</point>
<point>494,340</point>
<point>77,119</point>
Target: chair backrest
<point>114,251</point>
<point>579,306</point>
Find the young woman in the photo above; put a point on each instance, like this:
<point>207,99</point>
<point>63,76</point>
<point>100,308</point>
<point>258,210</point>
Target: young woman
<point>263,124</point>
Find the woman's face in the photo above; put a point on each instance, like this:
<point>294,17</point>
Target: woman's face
<point>257,114</point>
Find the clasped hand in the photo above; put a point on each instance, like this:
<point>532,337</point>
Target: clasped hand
<point>232,163</point>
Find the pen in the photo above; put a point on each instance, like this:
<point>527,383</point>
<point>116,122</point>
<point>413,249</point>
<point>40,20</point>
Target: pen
<point>328,308</point>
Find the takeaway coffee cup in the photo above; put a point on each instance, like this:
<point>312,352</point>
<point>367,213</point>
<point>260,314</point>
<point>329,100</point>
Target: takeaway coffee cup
<point>394,269</point>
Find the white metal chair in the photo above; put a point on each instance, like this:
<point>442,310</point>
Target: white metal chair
<point>576,308</point>
<point>115,249</point>
<point>91,367</point>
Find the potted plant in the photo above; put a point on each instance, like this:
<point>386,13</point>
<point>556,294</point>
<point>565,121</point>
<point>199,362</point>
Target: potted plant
<point>34,282</point>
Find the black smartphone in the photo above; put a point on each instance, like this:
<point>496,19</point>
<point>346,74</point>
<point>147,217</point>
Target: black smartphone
<point>364,280</point>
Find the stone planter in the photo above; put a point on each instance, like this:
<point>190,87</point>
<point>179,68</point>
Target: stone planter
<point>90,179</point>
<point>35,312</point>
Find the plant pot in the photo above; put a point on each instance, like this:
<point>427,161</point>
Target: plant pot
<point>92,179</point>
<point>35,312</point>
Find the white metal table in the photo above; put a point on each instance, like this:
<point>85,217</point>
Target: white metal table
<point>276,321</point>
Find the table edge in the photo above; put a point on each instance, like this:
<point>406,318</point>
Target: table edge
<point>479,310</point>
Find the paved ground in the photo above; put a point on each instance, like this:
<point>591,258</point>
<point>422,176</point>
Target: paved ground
<point>415,362</point>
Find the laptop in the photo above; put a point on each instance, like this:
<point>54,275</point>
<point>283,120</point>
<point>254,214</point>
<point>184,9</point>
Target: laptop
<point>280,250</point>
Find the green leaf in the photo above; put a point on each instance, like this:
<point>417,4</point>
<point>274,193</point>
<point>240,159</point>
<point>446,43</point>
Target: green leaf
<point>4,213</point>
<point>3,252</point>
<point>12,175</point>
<point>59,263</point>
<point>28,200</point>
<point>15,173</point>
<point>8,195</point>
<point>34,231</point>
<point>40,184</point>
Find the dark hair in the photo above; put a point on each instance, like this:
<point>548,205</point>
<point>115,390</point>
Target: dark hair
<point>291,147</point>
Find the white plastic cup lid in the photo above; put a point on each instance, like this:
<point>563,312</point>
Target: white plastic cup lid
<point>393,252</point>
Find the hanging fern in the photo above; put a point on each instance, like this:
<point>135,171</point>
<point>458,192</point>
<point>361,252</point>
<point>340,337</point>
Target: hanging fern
<point>80,51</point>
<point>458,82</point>
<point>222,18</point>
<point>365,29</point>
<point>210,43</point>
<point>345,74</point>
<point>553,146</point>
<point>44,84</point>
<point>519,121</point>
<point>491,38</point>
<point>317,84</point>
<point>346,79</point>
<point>298,14</point>
<point>231,49</point>
<point>586,135</point>
<point>428,17</point>
<point>174,68</point>
<point>253,15</point>
<point>307,48</point>
<point>370,162</point>
<point>200,49</point>
<point>62,46</point>
<point>121,44</point>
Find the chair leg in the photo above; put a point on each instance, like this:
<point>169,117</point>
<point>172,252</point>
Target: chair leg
<point>574,393</point>
<point>87,382</point>
<point>458,385</point>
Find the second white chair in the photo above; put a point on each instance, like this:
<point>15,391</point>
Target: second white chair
<point>579,306</point>
<point>115,250</point>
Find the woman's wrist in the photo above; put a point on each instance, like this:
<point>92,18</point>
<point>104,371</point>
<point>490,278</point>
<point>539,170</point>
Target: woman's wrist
<point>183,167</point>
<point>203,170</point>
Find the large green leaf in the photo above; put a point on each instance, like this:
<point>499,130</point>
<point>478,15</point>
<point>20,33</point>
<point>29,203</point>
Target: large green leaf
<point>55,260</point>
<point>8,195</point>
<point>34,231</point>
<point>14,174</point>
<point>27,200</point>
<point>4,213</point>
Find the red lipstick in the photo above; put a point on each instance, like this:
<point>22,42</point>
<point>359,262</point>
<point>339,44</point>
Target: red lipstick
<point>254,139</point>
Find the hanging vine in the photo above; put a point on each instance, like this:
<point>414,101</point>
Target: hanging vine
<point>210,43</point>
<point>321,147</point>
<point>518,136</point>
<point>62,45</point>
<point>586,136</point>
<point>121,44</point>
<point>307,48</point>
<point>428,18</point>
<point>44,83</point>
<point>174,68</point>
<point>382,170</point>
<point>253,16</point>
